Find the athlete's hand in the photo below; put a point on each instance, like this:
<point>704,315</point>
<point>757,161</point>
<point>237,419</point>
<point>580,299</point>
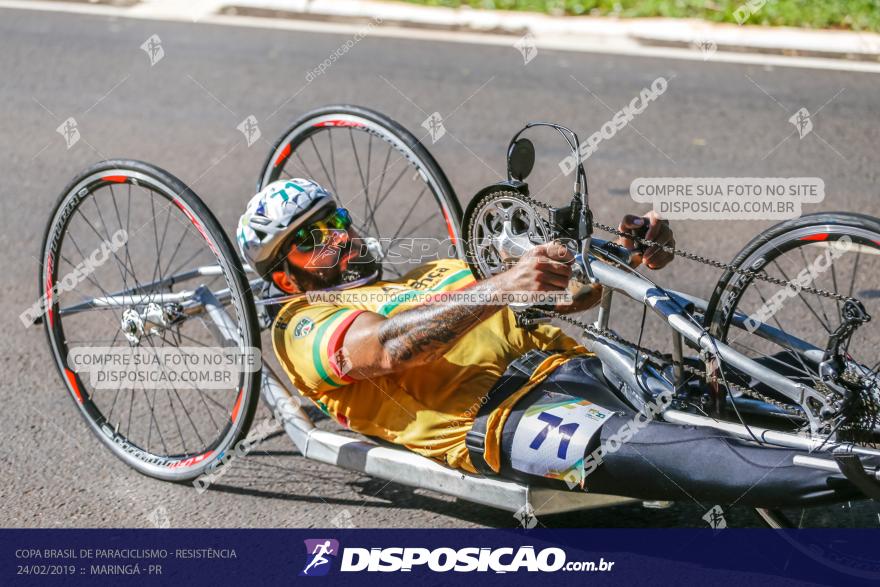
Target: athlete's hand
<point>657,230</point>
<point>546,267</point>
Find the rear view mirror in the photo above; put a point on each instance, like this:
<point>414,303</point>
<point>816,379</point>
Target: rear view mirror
<point>521,159</point>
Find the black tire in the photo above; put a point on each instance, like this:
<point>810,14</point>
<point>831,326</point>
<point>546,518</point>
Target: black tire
<point>784,245</point>
<point>315,130</point>
<point>174,460</point>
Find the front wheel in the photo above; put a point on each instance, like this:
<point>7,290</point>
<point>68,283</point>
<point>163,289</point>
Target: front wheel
<point>126,248</point>
<point>837,254</point>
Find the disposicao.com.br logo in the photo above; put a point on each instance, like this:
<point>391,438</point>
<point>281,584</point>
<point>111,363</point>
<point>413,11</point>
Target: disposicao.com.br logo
<point>441,560</point>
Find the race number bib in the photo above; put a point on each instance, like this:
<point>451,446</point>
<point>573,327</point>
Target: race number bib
<point>553,435</point>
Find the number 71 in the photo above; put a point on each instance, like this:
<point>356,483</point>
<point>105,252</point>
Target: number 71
<point>566,431</point>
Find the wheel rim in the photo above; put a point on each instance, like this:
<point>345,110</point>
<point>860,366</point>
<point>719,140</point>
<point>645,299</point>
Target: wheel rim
<point>169,432</point>
<point>391,193</point>
<point>810,318</point>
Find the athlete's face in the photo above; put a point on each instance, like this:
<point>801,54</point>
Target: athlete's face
<point>323,252</point>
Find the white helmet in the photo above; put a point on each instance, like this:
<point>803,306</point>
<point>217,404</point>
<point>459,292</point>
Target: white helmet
<point>275,213</point>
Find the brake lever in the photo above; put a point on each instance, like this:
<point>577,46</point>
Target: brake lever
<point>581,269</point>
<point>610,251</point>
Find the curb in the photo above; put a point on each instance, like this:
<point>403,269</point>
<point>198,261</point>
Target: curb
<point>648,32</point>
<point>357,19</point>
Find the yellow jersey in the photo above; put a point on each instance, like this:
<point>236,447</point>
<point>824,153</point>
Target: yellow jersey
<point>428,409</point>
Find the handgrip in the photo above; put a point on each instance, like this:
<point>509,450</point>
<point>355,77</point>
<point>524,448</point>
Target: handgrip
<point>640,233</point>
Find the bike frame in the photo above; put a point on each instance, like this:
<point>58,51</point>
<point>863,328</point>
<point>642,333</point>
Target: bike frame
<point>641,383</point>
<point>637,381</point>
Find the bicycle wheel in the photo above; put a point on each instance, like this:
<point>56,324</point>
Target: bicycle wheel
<point>392,186</point>
<point>834,252</point>
<point>125,251</point>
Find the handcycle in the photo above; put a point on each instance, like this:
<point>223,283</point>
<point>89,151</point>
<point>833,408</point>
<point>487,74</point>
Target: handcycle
<point>804,379</point>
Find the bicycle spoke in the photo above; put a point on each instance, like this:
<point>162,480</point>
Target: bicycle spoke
<point>88,278</point>
<point>201,392</point>
<point>834,284</point>
<point>107,235</point>
<point>118,264</point>
<point>788,348</point>
<point>131,407</point>
<point>852,281</point>
<point>382,176</point>
<point>821,301</point>
<point>369,159</point>
<point>174,411</point>
<point>177,422</point>
<point>193,340</point>
<point>321,160</point>
<point>308,171</point>
<point>332,158</point>
<point>183,235</point>
<point>186,262</point>
<point>116,311</point>
<point>365,186</point>
<point>109,416</point>
<point>804,300</point>
<point>160,245</point>
<point>393,184</point>
<point>154,420</point>
<point>770,357</point>
<point>416,228</point>
<point>409,213</point>
<point>128,262</point>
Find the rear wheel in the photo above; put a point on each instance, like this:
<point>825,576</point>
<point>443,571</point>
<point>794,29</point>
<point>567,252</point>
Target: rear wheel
<point>392,186</point>
<point>120,231</point>
<point>835,252</point>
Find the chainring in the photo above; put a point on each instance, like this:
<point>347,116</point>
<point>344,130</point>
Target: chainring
<point>500,227</point>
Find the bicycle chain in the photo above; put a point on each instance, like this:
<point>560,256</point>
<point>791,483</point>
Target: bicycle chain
<point>704,260</point>
<point>596,331</point>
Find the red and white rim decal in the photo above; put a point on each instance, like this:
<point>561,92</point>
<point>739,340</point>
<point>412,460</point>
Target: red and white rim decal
<point>49,314</point>
<point>115,178</point>
<point>283,155</point>
<point>338,123</point>
<point>237,405</point>
<point>449,226</point>
<point>196,224</point>
<point>71,378</point>
<point>191,461</point>
<point>823,236</point>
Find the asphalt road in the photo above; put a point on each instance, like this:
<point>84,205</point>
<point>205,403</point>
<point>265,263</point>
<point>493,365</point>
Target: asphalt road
<point>715,120</point>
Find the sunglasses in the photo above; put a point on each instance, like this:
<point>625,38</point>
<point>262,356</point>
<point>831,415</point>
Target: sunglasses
<point>304,237</point>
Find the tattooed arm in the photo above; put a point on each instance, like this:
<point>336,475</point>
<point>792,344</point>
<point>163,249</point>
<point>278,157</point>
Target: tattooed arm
<point>377,345</point>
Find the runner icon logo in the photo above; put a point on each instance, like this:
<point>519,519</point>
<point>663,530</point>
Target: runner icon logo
<point>320,552</point>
